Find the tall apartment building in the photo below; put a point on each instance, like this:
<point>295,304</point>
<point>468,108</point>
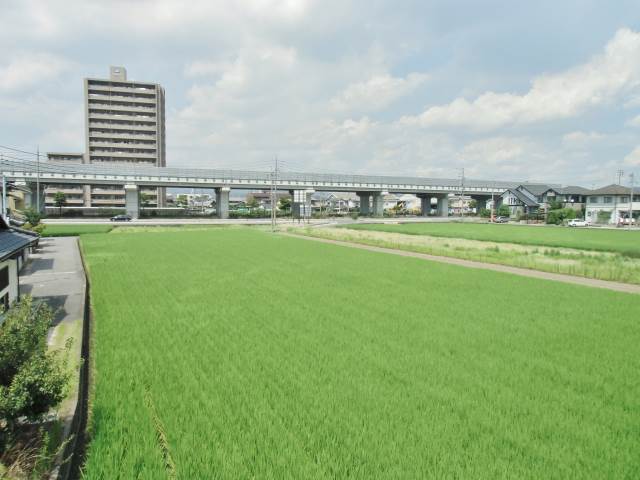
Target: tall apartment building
<point>124,124</point>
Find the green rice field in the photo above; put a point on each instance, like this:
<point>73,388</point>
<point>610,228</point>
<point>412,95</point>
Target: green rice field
<point>55,230</point>
<point>620,241</point>
<point>237,353</point>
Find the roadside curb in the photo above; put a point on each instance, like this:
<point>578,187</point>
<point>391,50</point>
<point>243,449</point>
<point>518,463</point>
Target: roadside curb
<point>73,455</point>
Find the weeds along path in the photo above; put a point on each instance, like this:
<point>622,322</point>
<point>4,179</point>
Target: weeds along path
<point>558,277</point>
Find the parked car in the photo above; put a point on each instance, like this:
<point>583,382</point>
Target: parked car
<point>121,218</point>
<point>501,219</point>
<point>577,222</point>
<point>625,221</point>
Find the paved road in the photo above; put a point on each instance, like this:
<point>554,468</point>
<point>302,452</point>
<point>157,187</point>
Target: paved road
<point>588,282</point>
<point>55,274</point>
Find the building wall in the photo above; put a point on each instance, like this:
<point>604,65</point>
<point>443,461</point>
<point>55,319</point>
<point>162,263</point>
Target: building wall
<point>125,123</point>
<point>617,205</point>
<point>12,288</point>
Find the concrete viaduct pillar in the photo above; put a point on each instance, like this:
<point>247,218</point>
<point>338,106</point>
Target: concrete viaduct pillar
<point>443,205</point>
<point>365,198</point>
<point>31,200</point>
<point>425,204</point>
<point>132,200</point>
<point>378,204</point>
<point>222,202</point>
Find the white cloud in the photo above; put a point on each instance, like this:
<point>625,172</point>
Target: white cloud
<point>633,158</point>
<point>581,139</point>
<point>600,81</point>
<point>634,122</point>
<point>30,69</point>
<point>376,93</point>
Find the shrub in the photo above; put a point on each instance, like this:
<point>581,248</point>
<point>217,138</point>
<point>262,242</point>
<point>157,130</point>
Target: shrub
<point>485,212</point>
<point>33,216</point>
<point>32,380</point>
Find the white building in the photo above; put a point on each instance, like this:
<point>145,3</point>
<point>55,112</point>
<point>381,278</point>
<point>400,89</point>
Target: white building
<point>611,204</point>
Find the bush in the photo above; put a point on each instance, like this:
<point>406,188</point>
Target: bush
<point>33,216</point>
<point>32,380</point>
<point>504,211</point>
<point>485,212</point>
<point>558,216</point>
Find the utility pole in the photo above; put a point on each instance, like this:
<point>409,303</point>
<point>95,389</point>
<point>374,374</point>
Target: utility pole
<point>493,201</point>
<point>274,196</point>
<point>38,178</point>
<point>620,173</point>
<point>461,203</point>
<point>630,216</point>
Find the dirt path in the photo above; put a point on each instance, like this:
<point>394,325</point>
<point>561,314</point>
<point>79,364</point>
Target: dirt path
<point>558,277</point>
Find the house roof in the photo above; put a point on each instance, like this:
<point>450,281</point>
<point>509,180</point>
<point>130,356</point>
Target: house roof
<point>12,241</point>
<point>523,198</point>
<point>575,190</point>
<point>613,189</point>
<point>538,188</point>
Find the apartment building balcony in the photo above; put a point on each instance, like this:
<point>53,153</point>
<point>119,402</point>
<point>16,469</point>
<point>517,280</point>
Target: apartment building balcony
<point>124,152</point>
<point>96,202</point>
<point>116,107</point>
<point>122,143</point>
<point>68,201</point>
<point>105,97</point>
<point>121,115</point>
<point>111,160</point>
<point>124,127</point>
<point>147,138</point>
<point>109,88</point>
<point>49,190</point>
<point>107,191</point>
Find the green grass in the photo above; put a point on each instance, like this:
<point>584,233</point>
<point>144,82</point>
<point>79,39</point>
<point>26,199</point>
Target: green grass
<point>54,230</point>
<point>582,263</point>
<point>236,353</point>
<point>621,241</point>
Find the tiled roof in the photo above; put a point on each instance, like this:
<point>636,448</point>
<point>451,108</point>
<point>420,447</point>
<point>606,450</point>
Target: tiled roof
<point>613,190</point>
<point>523,198</point>
<point>538,188</point>
<point>575,190</point>
<point>12,242</point>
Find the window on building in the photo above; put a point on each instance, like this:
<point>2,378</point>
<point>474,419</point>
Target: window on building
<point>624,199</point>
<point>4,302</point>
<point>608,199</point>
<point>594,199</point>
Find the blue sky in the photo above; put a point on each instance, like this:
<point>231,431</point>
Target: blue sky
<point>546,91</point>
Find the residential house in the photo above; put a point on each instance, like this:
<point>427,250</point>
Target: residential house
<point>520,201</point>
<point>574,197</point>
<point>611,204</point>
<point>15,246</point>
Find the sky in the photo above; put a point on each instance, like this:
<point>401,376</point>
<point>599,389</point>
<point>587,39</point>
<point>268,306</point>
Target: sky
<point>508,90</point>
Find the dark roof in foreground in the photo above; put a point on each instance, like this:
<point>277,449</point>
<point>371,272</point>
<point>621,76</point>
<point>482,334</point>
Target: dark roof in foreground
<point>523,198</point>
<point>12,242</point>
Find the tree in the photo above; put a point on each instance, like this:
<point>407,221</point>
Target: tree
<point>252,202</point>
<point>504,211</point>
<point>285,203</point>
<point>473,204</point>
<point>144,199</point>
<point>60,200</point>
<point>182,201</point>
<point>32,379</point>
<point>33,216</point>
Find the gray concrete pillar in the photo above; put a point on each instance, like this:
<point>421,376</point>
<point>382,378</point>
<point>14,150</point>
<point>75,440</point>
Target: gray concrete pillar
<point>443,206</point>
<point>31,200</point>
<point>364,202</point>
<point>377,209</point>
<point>132,200</point>
<point>222,202</point>
<point>425,205</point>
